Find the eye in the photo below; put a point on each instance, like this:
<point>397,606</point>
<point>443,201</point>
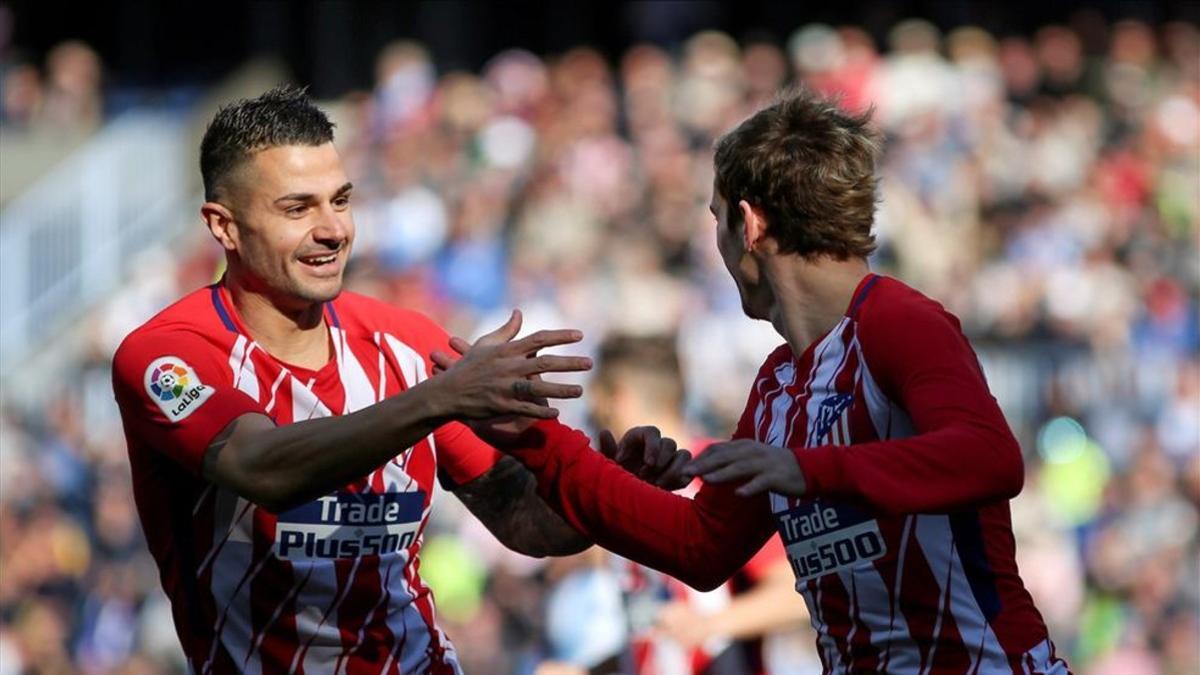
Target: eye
<point>296,210</point>
<point>342,202</point>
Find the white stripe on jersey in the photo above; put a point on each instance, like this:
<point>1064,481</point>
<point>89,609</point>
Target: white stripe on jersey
<point>890,422</point>
<point>761,410</point>
<point>242,366</point>
<point>305,404</point>
<point>283,372</point>
<point>412,367</point>
<point>937,543</point>
<point>825,641</point>
<point>1043,663</point>
<point>382,394</point>
<point>233,570</point>
<point>358,389</point>
<point>897,630</point>
<point>318,637</point>
<point>411,637</point>
<point>323,647</point>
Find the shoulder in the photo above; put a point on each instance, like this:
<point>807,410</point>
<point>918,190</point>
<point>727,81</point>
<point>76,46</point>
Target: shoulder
<point>191,322</point>
<point>891,306</point>
<point>781,355</point>
<point>190,330</point>
<point>903,333</point>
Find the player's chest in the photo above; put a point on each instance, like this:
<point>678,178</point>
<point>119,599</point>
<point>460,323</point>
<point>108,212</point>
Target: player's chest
<point>798,410</point>
<point>360,373</point>
<point>812,409</point>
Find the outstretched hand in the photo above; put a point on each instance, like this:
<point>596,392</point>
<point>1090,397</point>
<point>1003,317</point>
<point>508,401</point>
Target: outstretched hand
<point>498,376</point>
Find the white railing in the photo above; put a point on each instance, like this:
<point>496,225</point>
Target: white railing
<point>65,242</point>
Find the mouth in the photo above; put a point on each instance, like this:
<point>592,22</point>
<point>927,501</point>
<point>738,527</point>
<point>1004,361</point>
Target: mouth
<point>325,264</point>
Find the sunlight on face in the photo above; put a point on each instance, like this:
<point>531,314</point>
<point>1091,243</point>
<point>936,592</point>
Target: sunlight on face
<point>295,227</point>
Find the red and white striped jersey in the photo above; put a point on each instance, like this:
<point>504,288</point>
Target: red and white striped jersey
<point>331,586</point>
<point>902,546</point>
<point>888,590</point>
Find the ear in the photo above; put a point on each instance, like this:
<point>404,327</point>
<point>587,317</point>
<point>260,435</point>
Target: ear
<point>221,224</point>
<point>754,225</point>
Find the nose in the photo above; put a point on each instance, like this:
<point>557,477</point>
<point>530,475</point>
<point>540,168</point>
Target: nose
<point>333,230</point>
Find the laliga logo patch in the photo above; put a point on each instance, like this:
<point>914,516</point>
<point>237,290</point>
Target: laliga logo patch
<point>175,387</point>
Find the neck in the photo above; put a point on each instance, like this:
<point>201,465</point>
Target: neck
<point>811,297</point>
<point>294,334</point>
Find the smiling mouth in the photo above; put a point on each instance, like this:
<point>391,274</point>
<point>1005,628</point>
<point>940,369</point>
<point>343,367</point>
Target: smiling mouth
<point>320,260</point>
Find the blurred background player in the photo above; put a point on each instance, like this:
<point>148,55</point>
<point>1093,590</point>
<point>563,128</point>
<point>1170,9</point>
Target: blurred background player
<point>754,623</point>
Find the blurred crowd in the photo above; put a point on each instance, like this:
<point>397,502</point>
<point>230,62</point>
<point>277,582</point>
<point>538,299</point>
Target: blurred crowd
<point>61,94</point>
<point>1045,188</point>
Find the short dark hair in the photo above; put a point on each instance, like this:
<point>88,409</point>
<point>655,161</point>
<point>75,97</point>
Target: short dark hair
<point>652,360</point>
<point>281,116</point>
<point>810,167</point>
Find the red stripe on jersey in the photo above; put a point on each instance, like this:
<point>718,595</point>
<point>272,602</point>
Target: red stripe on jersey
<point>272,603</point>
<point>359,606</point>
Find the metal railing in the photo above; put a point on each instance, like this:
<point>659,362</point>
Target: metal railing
<point>64,243</point>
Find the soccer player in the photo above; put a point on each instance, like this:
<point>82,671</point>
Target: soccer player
<point>870,442</point>
<point>284,437</point>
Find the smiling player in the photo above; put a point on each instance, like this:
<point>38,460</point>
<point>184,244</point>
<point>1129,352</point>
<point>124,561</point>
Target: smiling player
<point>285,436</point>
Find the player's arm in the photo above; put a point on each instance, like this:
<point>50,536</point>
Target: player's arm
<point>961,452</point>
<point>506,501</point>
<point>227,437</point>
<point>700,541</point>
<point>505,498</point>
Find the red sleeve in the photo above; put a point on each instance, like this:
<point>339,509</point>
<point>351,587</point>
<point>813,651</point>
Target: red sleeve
<point>700,541</point>
<point>961,453</point>
<point>172,392</point>
<point>461,455</point>
<point>771,553</point>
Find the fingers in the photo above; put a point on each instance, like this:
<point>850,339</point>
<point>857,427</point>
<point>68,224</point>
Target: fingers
<point>528,409</point>
<point>542,389</point>
<point>672,477</point>
<point>441,360</point>
<point>642,443</point>
<point>739,468</point>
<point>543,339</point>
<point>504,333</point>
<point>659,454</point>
<point>547,363</point>
<point>608,444</point>
<point>460,345</point>
<point>715,457</point>
<point>755,485</point>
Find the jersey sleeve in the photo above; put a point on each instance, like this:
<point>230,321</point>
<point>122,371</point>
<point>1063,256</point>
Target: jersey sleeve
<point>961,453</point>
<point>770,554</point>
<point>173,395</point>
<point>461,455</point>
<point>700,541</point>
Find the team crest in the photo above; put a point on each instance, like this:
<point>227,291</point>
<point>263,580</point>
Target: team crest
<point>830,412</point>
<point>175,387</point>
